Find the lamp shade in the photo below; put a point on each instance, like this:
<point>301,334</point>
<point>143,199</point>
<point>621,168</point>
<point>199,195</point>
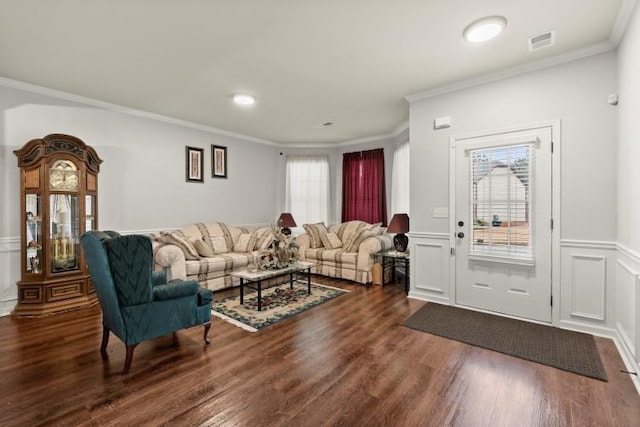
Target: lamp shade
<point>399,224</point>
<point>286,220</point>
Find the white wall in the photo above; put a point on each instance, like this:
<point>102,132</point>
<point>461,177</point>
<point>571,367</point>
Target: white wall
<point>142,180</point>
<point>574,93</point>
<point>629,137</point>
<point>628,235</point>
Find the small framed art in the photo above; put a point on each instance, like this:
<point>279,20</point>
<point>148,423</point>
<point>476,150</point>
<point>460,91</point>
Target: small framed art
<point>194,164</point>
<point>218,161</point>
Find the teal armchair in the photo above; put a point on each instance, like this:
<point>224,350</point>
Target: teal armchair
<point>137,303</point>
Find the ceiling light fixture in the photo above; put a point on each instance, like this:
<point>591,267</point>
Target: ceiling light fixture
<point>244,99</point>
<point>484,29</point>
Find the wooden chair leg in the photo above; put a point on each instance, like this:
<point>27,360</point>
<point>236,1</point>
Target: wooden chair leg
<point>105,340</point>
<point>129,358</point>
<point>207,326</point>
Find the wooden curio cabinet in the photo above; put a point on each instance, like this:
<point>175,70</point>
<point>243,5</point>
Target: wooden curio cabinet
<point>58,202</point>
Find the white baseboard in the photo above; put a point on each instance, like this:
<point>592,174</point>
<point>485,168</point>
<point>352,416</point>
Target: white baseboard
<point>7,306</point>
<point>628,360</point>
<point>429,298</point>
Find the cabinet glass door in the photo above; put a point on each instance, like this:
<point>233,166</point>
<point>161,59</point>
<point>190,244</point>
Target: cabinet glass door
<point>33,233</point>
<point>90,218</point>
<point>64,227</point>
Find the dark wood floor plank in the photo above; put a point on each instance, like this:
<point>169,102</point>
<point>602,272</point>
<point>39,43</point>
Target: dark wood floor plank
<point>348,362</point>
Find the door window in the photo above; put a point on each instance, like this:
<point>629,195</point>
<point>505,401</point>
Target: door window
<point>500,191</point>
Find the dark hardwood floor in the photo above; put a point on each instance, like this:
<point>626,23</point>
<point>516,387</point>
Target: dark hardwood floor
<point>346,362</point>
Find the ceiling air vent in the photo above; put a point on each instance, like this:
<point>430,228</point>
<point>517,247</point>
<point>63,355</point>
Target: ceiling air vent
<point>542,40</point>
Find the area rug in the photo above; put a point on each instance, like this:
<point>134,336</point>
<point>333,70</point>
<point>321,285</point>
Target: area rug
<point>571,351</point>
<point>278,303</point>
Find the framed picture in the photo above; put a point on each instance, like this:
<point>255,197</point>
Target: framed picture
<point>194,164</point>
<point>218,161</point>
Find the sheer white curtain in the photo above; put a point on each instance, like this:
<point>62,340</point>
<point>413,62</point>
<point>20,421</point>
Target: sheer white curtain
<point>400,179</point>
<point>307,195</point>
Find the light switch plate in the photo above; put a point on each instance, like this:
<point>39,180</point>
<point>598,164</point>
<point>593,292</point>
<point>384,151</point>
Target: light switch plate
<point>441,212</point>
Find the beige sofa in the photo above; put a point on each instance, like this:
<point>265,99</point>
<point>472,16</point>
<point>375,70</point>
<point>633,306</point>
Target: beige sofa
<point>343,250</point>
<point>208,252</point>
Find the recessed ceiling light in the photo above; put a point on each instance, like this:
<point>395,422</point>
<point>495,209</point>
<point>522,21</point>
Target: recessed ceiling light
<point>244,99</point>
<point>484,29</point>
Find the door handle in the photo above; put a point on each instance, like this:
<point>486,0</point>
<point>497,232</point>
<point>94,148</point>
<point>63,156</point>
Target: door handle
<point>460,235</point>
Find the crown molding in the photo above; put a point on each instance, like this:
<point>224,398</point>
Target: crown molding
<point>514,71</point>
<point>622,21</point>
<point>58,94</point>
<point>625,12</point>
<point>403,126</point>
<point>397,131</point>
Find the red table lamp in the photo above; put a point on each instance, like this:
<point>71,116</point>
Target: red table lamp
<point>285,221</point>
<point>399,224</point>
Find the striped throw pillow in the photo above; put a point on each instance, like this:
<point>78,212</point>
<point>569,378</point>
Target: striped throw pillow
<point>315,231</point>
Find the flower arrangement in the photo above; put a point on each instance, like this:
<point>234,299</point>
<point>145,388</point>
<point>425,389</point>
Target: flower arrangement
<point>281,254</point>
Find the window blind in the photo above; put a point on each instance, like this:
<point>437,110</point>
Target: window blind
<point>500,190</point>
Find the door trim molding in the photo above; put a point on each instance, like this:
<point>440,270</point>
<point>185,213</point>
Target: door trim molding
<point>556,134</point>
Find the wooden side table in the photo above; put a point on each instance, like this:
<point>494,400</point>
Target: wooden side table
<point>392,259</point>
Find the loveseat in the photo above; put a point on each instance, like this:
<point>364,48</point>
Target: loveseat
<point>343,250</point>
<point>208,252</point>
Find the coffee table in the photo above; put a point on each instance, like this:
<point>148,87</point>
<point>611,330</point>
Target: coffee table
<point>254,279</point>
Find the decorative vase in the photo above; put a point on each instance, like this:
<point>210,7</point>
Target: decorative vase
<point>254,262</point>
<point>294,252</point>
<point>284,255</point>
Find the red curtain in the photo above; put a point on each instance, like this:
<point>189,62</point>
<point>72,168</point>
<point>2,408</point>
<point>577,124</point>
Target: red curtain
<point>363,187</point>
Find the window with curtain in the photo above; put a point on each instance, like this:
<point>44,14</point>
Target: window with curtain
<point>363,187</point>
<point>400,179</point>
<point>307,189</point>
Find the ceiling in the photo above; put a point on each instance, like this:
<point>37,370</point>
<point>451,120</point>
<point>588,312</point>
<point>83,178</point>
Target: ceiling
<point>307,62</point>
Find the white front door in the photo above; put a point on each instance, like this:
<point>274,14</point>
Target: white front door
<point>502,222</point>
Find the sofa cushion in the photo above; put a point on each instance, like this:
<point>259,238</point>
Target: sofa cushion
<point>349,230</point>
<point>377,228</point>
<point>179,239</point>
<point>218,236</point>
<point>331,240</point>
<point>245,243</point>
<point>315,231</point>
<point>219,245</point>
<point>354,243</point>
<point>332,256</point>
<point>216,266</point>
<point>264,237</point>
<point>203,249</point>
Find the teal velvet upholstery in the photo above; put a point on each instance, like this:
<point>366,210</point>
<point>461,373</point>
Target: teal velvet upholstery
<point>137,304</point>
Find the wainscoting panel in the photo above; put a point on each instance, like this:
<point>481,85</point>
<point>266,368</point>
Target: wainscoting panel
<point>430,267</point>
<point>588,285</point>
<point>9,273</point>
<point>628,308</point>
<point>626,305</point>
<point>587,288</point>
